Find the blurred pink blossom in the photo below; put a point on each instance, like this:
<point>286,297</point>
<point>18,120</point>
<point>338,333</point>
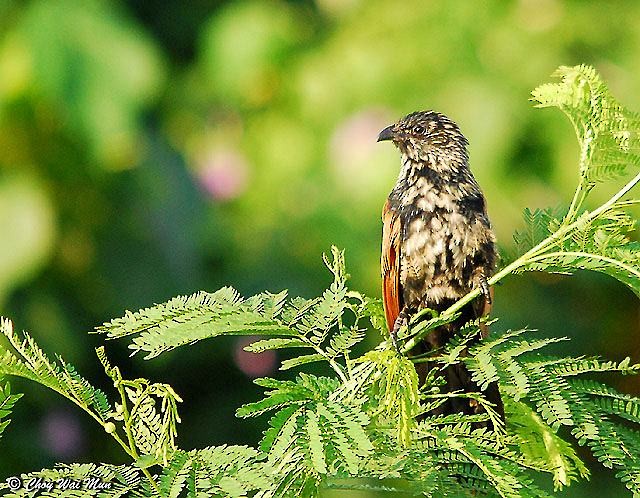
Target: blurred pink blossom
<point>253,364</point>
<point>354,140</point>
<point>223,174</point>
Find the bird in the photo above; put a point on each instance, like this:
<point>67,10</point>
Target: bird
<point>437,246</point>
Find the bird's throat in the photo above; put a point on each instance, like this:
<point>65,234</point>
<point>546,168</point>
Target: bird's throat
<point>431,183</point>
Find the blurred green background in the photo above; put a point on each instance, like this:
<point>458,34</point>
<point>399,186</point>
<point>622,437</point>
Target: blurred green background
<point>149,149</point>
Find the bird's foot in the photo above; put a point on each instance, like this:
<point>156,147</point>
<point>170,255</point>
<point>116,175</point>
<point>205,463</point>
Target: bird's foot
<point>401,321</point>
<point>484,287</point>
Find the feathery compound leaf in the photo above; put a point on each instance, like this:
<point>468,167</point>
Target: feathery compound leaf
<point>296,324</point>
<point>539,224</point>
<point>374,310</point>
<point>476,459</point>
<point>396,390</point>
<point>607,401</point>
<point>608,133</point>
<point>609,138</point>
<point>175,474</point>
<point>311,436</point>
<point>305,389</point>
<point>494,360</point>
<point>626,269</point>
<point>7,401</point>
<point>82,390</point>
<point>316,446</point>
<point>345,339</point>
<point>153,426</point>
<point>328,437</point>
<point>277,423</point>
<point>569,367</point>
<point>301,360</point>
<point>233,471</point>
<point>79,480</point>
<point>275,343</point>
<point>178,307</point>
<point>541,446</point>
<point>184,320</point>
<point>29,361</point>
<point>324,314</point>
<point>561,398</point>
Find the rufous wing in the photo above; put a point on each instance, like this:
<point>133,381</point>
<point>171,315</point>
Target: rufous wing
<point>390,263</point>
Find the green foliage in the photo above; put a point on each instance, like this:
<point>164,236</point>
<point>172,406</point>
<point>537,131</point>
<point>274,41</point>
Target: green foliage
<point>315,432</point>
<point>606,131</point>
<point>27,360</point>
<point>542,446</point>
<point>232,471</point>
<point>284,393</point>
<point>150,429</point>
<point>78,480</point>
<point>294,323</point>
<point>539,225</point>
<point>609,139</point>
<point>7,401</point>
<point>590,410</point>
<point>186,319</point>
<point>396,390</point>
<point>370,426</point>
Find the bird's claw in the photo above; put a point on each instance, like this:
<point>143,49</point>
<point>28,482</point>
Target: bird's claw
<point>401,321</point>
<point>394,341</point>
<point>484,287</point>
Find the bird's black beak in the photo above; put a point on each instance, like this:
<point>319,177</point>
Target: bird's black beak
<point>386,134</point>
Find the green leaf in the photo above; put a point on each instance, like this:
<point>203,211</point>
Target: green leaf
<point>28,361</point>
<point>539,224</point>
<point>7,402</point>
<point>305,389</point>
<point>609,139</point>
<point>396,389</point>
<point>175,475</point>
<point>275,343</point>
<point>146,461</point>
<point>301,360</point>
<point>316,446</point>
<point>540,444</point>
<point>187,319</point>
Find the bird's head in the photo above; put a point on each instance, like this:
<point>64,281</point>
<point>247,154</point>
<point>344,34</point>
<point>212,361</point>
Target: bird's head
<point>428,136</point>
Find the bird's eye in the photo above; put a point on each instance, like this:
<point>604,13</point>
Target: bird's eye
<point>418,130</point>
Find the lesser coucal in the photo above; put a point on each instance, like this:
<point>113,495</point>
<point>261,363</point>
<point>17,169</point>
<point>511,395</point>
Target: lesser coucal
<point>437,242</point>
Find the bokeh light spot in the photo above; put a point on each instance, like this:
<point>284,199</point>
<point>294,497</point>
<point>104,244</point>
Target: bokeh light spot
<point>62,434</point>
<point>253,364</point>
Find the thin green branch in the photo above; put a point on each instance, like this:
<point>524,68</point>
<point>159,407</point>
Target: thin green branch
<point>128,449</point>
<point>582,190</point>
<point>337,368</point>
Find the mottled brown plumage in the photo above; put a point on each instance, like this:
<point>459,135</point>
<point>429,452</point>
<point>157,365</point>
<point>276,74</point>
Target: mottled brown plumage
<point>437,242</point>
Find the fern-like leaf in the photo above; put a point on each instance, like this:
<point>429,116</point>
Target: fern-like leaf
<point>78,480</point>
<point>28,361</point>
<point>184,320</point>
<point>7,401</point>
